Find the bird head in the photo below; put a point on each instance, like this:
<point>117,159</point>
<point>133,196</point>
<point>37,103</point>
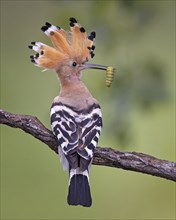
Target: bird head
<point>71,50</point>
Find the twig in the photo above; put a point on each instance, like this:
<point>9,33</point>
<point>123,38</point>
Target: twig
<point>138,162</point>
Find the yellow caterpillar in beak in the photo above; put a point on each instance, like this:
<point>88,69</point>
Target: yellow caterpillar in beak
<point>109,71</point>
<point>109,75</point>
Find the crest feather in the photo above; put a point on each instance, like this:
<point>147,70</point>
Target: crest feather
<point>74,44</point>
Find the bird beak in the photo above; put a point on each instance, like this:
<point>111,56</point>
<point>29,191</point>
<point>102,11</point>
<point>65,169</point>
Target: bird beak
<point>93,66</point>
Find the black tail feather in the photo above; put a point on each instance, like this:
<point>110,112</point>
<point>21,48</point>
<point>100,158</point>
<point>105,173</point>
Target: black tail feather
<point>79,191</point>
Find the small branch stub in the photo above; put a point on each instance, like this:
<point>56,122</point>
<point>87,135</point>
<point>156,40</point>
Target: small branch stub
<point>133,161</point>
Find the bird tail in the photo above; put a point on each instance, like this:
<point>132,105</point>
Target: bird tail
<point>79,189</point>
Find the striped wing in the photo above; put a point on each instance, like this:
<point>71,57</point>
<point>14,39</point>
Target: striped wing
<point>64,126</point>
<point>77,131</point>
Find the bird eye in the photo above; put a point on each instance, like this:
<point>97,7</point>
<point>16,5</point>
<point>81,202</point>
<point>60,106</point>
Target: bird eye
<point>74,64</point>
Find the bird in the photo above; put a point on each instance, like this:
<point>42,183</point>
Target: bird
<point>76,117</point>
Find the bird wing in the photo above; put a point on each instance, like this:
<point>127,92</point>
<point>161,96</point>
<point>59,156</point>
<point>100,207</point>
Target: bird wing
<point>64,126</point>
<point>90,132</point>
<point>77,131</point>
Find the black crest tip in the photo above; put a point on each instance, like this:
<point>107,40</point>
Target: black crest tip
<point>37,55</point>
<point>48,24</point>
<point>33,61</point>
<point>33,42</point>
<point>72,24</point>
<point>93,47</point>
<point>82,30</point>
<point>92,54</point>
<point>73,20</point>
<point>93,34</point>
<point>90,37</point>
<point>44,28</point>
<point>30,47</point>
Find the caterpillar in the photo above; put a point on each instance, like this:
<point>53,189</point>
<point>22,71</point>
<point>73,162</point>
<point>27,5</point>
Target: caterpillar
<point>109,75</point>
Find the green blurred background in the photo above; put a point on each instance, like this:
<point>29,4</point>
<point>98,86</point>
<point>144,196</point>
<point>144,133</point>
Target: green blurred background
<point>136,37</point>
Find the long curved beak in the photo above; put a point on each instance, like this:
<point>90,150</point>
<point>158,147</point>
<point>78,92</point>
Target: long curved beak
<point>93,66</point>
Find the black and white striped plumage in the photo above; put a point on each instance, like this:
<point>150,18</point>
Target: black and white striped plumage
<point>77,133</point>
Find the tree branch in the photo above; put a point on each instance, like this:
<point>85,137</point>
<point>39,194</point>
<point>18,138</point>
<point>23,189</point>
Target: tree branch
<point>138,162</point>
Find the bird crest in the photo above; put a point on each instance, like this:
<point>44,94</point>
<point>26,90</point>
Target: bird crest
<point>70,48</point>
<point>74,44</point>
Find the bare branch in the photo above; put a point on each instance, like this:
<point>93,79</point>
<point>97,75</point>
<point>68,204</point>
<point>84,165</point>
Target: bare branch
<point>138,162</point>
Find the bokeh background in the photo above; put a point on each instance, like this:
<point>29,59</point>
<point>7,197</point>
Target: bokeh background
<point>136,37</point>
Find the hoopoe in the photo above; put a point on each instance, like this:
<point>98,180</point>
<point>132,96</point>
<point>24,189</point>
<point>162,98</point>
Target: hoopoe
<point>76,117</point>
